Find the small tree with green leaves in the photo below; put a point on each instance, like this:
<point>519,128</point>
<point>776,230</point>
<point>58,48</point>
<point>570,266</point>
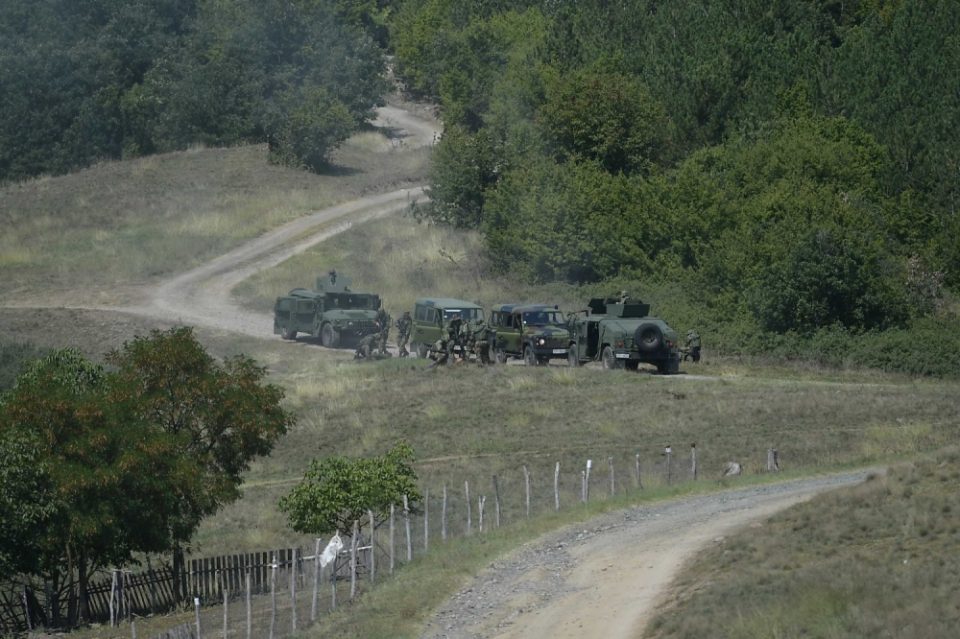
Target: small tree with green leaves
<point>337,491</point>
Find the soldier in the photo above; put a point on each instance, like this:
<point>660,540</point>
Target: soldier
<point>403,333</point>
<point>693,346</point>
<point>477,343</point>
<point>383,321</point>
<point>623,297</point>
<point>454,335</point>
<point>440,353</point>
<point>365,346</point>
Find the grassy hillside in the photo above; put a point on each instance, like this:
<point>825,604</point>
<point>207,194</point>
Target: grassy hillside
<point>126,223</point>
<point>880,560</point>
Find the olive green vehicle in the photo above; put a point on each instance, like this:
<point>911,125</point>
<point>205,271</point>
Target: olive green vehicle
<point>622,335</point>
<point>431,316</point>
<point>333,312</point>
<point>535,332</point>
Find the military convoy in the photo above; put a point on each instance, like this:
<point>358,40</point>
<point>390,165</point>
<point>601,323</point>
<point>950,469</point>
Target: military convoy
<point>617,332</point>
<point>333,312</point>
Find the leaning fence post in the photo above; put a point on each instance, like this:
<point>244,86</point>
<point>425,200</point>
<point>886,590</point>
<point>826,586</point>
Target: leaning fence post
<point>693,460</point>
<point>496,497</point>
<point>556,487</point>
<point>392,543</point>
<point>406,524</point>
<point>26,609</point>
<point>526,483</point>
<point>113,589</point>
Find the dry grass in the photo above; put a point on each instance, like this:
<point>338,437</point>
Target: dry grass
<point>879,560</point>
<point>122,223</point>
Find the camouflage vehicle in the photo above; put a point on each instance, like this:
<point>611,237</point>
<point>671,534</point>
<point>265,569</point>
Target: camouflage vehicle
<point>333,312</point>
<point>535,332</point>
<point>622,335</point>
<point>431,316</point>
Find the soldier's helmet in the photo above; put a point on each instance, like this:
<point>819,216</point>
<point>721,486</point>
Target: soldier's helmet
<point>690,332</point>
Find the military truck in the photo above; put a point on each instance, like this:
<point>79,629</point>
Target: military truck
<point>622,335</point>
<point>535,332</point>
<point>333,312</point>
<point>431,316</point>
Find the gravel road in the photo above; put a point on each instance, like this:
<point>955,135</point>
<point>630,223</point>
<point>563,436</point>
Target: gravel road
<point>605,578</point>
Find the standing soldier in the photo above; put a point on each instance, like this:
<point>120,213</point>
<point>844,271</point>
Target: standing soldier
<point>693,346</point>
<point>454,334</point>
<point>403,333</point>
<point>383,321</point>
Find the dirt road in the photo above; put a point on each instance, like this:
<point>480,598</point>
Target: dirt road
<point>604,579</point>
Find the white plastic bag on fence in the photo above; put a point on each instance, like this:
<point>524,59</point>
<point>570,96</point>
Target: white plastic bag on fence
<point>330,552</point>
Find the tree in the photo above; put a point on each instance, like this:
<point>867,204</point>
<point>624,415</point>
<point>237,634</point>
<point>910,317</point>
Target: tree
<point>219,417</point>
<point>337,491</point>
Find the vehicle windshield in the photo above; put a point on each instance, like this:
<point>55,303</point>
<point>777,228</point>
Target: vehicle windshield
<point>466,314</point>
<point>353,301</point>
<point>544,318</point>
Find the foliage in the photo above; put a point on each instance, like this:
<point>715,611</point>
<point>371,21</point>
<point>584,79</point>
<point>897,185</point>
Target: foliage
<point>13,356</point>
<point>105,78</point>
<point>336,491</point>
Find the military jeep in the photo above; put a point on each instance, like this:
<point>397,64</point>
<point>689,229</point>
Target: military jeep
<point>622,335</point>
<point>431,315</point>
<point>535,332</point>
<point>333,312</point>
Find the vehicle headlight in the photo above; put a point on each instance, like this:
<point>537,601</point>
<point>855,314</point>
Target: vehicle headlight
<point>541,342</point>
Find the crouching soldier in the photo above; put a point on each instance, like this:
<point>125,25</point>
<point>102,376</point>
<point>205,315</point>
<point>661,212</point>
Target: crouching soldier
<point>366,346</point>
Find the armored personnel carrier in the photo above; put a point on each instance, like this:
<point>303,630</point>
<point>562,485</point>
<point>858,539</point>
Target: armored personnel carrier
<point>622,335</point>
<point>333,312</point>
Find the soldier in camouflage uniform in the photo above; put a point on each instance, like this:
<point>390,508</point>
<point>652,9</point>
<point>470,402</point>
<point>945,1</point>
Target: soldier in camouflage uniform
<point>403,333</point>
<point>476,342</point>
<point>693,346</point>
<point>383,321</point>
<point>366,346</point>
<point>455,335</point>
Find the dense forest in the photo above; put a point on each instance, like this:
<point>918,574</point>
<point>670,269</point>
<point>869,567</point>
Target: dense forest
<point>783,174</point>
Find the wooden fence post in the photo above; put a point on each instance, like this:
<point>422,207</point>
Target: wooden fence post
<point>113,596</point>
<point>556,487</point>
<point>392,543</point>
<point>693,460</point>
<point>639,478</point>
<point>668,451</point>
<point>613,485</point>
<point>466,492</point>
<point>586,481</point>
<point>293,590</point>
<point>226,616</point>
<point>353,558</point>
<point>406,523</point>
<point>526,483</point>
<point>196,614</point>
<point>426,519</point>
<point>273,594</point>
<point>249,605</point>
<point>773,460</point>
<point>496,501</point>
<point>373,548</point>
<point>481,501</point>
<point>316,579</point>
<point>443,515</point>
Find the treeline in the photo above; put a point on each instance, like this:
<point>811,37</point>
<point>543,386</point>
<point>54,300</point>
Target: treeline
<point>82,81</point>
<point>792,166</point>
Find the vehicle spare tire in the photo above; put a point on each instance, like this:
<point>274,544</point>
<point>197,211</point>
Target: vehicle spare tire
<point>648,338</point>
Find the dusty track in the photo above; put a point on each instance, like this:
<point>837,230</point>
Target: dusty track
<point>605,578</point>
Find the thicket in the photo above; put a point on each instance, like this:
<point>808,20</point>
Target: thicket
<point>85,81</point>
<point>791,166</point>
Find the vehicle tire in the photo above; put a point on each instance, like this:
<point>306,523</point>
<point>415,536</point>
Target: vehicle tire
<point>328,336</point>
<point>573,356</point>
<point>500,355</point>
<point>609,359</point>
<point>528,357</point>
<point>648,338</point>
<point>422,350</point>
<point>289,333</point>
